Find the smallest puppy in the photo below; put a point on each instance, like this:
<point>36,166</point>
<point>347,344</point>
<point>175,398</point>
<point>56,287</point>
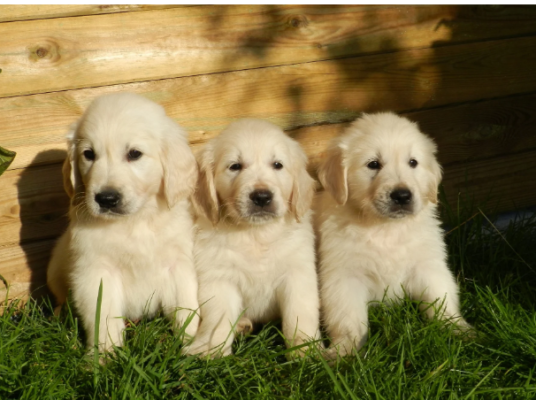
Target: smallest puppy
<point>378,233</point>
<point>254,250</point>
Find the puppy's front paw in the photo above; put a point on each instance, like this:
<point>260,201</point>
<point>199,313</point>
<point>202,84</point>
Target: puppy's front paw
<point>191,330</point>
<point>311,348</point>
<point>201,350</point>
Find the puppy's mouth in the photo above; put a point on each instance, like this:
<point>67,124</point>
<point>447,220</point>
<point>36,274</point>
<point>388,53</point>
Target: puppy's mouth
<point>109,204</point>
<point>398,211</point>
<point>260,216</point>
<point>261,207</point>
<point>111,212</point>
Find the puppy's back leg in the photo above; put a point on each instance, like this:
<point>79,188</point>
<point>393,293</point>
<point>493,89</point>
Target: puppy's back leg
<point>58,272</point>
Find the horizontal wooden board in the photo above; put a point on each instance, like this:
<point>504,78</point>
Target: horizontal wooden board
<point>467,132</point>
<point>481,130</point>
<point>290,96</point>
<point>504,184</point>
<point>33,204</point>
<point>21,12</point>
<point>67,53</point>
<point>24,268</point>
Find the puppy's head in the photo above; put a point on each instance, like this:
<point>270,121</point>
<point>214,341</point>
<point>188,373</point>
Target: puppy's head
<point>382,165</point>
<point>124,152</point>
<point>253,173</point>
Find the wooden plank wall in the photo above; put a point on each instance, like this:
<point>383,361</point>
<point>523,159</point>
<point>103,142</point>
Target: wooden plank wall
<point>465,73</point>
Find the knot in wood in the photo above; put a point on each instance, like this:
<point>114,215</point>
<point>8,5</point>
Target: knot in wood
<point>47,50</point>
<point>41,52</point>
<point>299,21</point>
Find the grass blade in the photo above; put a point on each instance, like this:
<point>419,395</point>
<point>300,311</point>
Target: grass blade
<point>97,330</point>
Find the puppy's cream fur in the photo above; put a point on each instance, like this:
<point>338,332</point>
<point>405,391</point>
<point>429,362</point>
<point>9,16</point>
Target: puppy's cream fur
<point>142,247</point>
<point>370,245</point>
<point>254,262</point>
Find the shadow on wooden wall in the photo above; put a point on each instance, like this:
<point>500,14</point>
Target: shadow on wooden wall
<point>38,192</point>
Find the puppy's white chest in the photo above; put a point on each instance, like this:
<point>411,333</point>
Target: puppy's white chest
<point>255,265</point>
<point>138,258</point>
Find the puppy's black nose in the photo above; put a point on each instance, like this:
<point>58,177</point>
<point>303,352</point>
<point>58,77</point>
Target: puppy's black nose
<point>401,196</point>
<point>261,197</point>
<point>108,198</point>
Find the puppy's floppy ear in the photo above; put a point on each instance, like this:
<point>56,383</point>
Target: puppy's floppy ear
<point>303,188</point>
<point>435,172</point>
<point>205,197</point>
<point>71,175</point>
<point>333,173</point>
<point>178,162</point>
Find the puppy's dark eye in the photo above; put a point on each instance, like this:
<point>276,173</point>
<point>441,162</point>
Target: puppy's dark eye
<point>235,167</point>
<point>413,163</point>
<point>374,165</point>
<point>89,154</point>
<point>278,165</point>
<point>134,155</point>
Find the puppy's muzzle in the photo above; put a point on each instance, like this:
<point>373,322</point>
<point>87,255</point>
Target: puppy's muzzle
<point>401,202</point>
<point>262,205</point>
<point>261,198</point>
<point>108,199</point>
<point>401,197</point>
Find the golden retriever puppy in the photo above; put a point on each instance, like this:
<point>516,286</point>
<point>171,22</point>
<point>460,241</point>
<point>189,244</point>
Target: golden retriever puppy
<point>378,232</point>
<point>254,249</point>
<point>129,173</point>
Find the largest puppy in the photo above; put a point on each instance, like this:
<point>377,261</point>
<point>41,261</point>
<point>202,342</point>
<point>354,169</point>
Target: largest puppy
<point>254,251</point>
<point>129,173</point>
<point>377,227</point>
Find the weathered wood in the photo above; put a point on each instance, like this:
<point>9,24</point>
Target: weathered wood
<point>292,96</point>
<point>503,183</point>
<point>24,268</point>
<point>481,130</point>
<point>23,12</point>
<point>67,53</point>
<point>467,132</point>
<point>465,73</point>
<point>33,204</point>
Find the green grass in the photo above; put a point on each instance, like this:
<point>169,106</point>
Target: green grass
<point>407,357</point>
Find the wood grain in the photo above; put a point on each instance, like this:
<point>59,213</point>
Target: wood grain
<point>23,12</point>
<point>33,204</point>
<point>481,130</point>
<point>291,96</point>
<point>87,51</point>
<point>465,73</point>
<point>503,183</point>
<point>24,268</point>
<point>467,132</point>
